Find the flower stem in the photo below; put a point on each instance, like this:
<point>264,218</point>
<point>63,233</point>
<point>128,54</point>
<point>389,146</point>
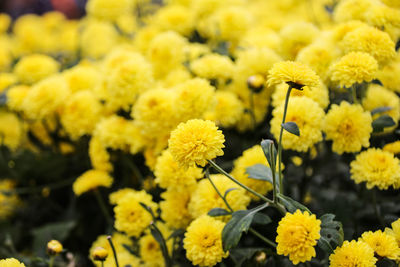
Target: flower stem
<point>103,207</point>
<point>113,250</point>
<point>280,139</point>
<point>219,193</point>
<point>376,209</point>
<point>354,93</point>
<point>263,238</point>
<point>51,262</point>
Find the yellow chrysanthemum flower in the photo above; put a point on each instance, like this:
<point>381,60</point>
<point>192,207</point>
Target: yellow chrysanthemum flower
<point>353,254</point>
<point>383,244</point>
<point>9,200</point>
<point>11,262</point>
<point>7,80</point>
<point>298,234</point>
<point>130,216</point>
<point>12,130</point>
<point>91,180</point>
<point>195,142</point>
<point>82,77</point>
<point>33,68</point>
<point>109,10</point>
<point>393,147</point>
<point>394,231</point>
<point>176,18</point>
<point>351,10</point>
<point>348,126</point>
<point>355,67</point>
<point>376,168</point>
<point>203,242</point>
<point>99,156</point>
<point>205,197</point>
<point>294,73</point>
<point>370,40</point>
<point>228,109</point>
<point>389,77</point>
<point>213,66</point>
<point>169,174</point>
<point>308,116</point>
<point>250,157</point>
<point>175,208</point>
<point>16,96</point>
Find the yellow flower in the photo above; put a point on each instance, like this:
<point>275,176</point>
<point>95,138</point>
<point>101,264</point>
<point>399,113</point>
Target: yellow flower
<point>109,10</point>
<point>176,18</point>
<point>393,147</point>
<point>370,40</point>
<point>204,198</point>
<point>99,156</point>
<point>99,254</point>
<point>11,262</point>
<point>353,254</point>
<point>228,109</point>
<point>7,80</point>
<point>348,126</point>
<point>250,157</point>
<point>54,247</point>
<point>308,116</point>
<point>8,201</point>
<point>33,68</point>
<point>355,67</point>
<point>174,208</point>
<point>383,244</point>
<point>394,231</point>
<point>80,114</point>
<point>130,216</point>
<point>295,74</point>
<point>376,168</point>
<point>213,66</point>
<point>91,180</point>
<point>351,10</point>
<point>389,77</point>
<point>203,242</point>
<point>82,77</point>
<point>195,142</point>
<point>12,131</point>
<point>16,96</point>
<point>42,99</point>
<point>5,21</point>
<point>298,234</point>
<point>169,174</point>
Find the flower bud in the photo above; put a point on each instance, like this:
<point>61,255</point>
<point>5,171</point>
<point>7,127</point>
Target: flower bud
<point>54,247</point>
<point>256,83</point>
<point>99,254</point>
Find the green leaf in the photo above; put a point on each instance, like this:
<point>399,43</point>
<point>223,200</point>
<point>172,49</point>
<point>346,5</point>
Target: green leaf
<point>229,190</point>
<point>161,241</point>
<point>261,218</point>
<point>270,152</point>
<point>260,172</point>
<point>292,205</point>
<point>382,122</point>
<point>240,255</point>
<point>239,223</point>
<point>218,212</point>
<point>148,209</point>
<point>380,110</point>
<point>291,127</point>
<point>176,233</point>
<point>331,233</point>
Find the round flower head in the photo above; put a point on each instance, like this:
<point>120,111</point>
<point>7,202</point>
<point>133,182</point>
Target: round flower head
<point>393,147</point>
<point>203,242</point>
<point>99,254</point>
<point>16,96</point>
<point>11,130</point>
<point>213,66</point>
<point>351,10</point>
<point>91,180</point>
<point>348,126</point>
<point>11,262</point>
<point>54,247</point>
<point>169,174</point>
<point>99,156</point>
<point>372,41</point>
<point>195,142</point>
<point>308,116</point>
<point>377,168</point>
<point>383,244</point>
<point>295,74</point>
<point>109,10</point>
<point>130,216</point>
<point>176,18</point>
<point>389,75</point>
<point>394,231</point>
<point>355,67</point>
<point>205,197</point>
<point>175,208</point>
<point>353,254</point>
<point>228,109</point>
<point>82,77</point>
<point>33,68</point>
<point>298,234</point>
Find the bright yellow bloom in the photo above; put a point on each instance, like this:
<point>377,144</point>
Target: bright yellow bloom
<point>372,41</point>
<point>353,254</point>
<point>389,77</point>
<point>228,109</point>
<point>298,234</point>
<point>82,77</point>
<point>54,247</point>
<point>109,10</point>
<point>33,68</point>
<point>203,241</point>
<point>205,197</point>
<point>99,156</point>
<point>16,96</point>
<point>383,244</point>
<point>351,10</point>
<point>91,180</point>
<point>7,80</point>
<point>393,147</point>
<point>195,142</point>
<point>9,201</point>
<point>213,66</point>
<point>12,131</point>
<point>169,174</point>
<point>394,231</point>
<point>292,73</point>
<point>308,116</point>
<point>11,262</point>
<point>376,168</point>
<point>355,67</point>
<point>176,18</point>
<point>348,126</point>
<point>175,208</point>
<point>99,254</point>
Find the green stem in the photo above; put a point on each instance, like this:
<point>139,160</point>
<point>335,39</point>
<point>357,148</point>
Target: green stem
<point>51,262</point>
<point>263,238</point>
<point>252,114</point>
<point>216,189</point>
<point>354,93</point>
<point>163,246</point>
<point>376,209</point>
<point>103,206</point>
<point>113,250</point>
<point>102,263</point>
<point>280,139</point>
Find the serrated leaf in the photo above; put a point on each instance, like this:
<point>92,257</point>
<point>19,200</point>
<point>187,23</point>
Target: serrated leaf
<point>291,205</point>
<point>260,172</point>
<point>331,233</point>
<point>380,110</point>
<point>291,127</point>
<point>270,152</point>
<point>239,223</point>
<point>261,218</point>
<point>218,212</point>
<point>228,191</point>
<point>382,122</point>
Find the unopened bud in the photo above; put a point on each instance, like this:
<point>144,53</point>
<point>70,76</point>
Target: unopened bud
<point>256,83</point>
<point>261,257</point>
<point>99,254</point>
<point>54,247</point>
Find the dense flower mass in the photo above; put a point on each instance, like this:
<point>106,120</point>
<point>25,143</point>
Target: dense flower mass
<point>11,262</point>
<point>352,254</point>
<point>383,244</point>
